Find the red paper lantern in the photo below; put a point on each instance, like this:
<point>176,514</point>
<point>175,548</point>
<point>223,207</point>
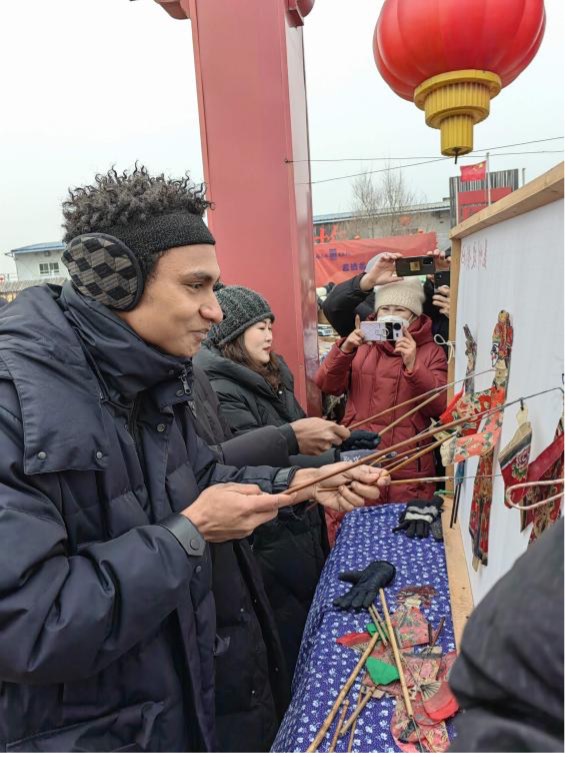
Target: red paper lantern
<point>452,56</point>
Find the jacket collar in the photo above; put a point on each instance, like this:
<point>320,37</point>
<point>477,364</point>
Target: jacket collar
<point>125,363</point>
<point>216,366</point>
<point>51,349</point>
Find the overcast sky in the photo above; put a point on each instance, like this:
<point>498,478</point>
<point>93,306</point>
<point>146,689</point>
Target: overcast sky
<point>88,83</point>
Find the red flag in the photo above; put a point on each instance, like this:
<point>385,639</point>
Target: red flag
<point>475,172</point>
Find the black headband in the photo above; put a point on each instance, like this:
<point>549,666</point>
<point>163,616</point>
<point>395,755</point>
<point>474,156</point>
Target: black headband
<point>112,265</point>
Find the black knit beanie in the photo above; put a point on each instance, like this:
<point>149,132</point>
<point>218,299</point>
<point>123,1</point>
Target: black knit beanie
<point>241,308</point>
<point>112,264</point>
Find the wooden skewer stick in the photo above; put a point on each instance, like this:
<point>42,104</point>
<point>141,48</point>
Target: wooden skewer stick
<point>338,730</point>
<point>418,455</point>
<point>342,694</point>
<point>378,625</point>
<point>402,464</point>
<point>394,645</point>
<point>429,393</point>
<point>398,458</point>
<point>369,459</point>
<point>354,725</point>
<point>409,413</point>
<point>356,712</point>
<point>377,620</point>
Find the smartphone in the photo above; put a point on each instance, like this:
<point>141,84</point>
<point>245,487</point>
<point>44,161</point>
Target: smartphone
<point>441,278</point>
<point>391,331</point>
<point>418,266</point>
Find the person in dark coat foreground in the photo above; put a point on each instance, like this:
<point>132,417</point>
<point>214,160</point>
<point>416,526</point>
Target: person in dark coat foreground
<point>509,676</point>
<point>255,390</point>
<point>108,498</point>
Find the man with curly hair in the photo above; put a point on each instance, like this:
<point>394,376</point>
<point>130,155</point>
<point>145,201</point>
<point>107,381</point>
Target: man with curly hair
<point>108,499</point>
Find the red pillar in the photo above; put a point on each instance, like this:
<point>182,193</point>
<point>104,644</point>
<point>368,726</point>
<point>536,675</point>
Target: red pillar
<point>249,60</point>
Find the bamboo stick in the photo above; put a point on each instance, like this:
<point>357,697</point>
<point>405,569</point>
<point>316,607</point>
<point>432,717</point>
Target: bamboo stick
<point>400,465</point>
<point>356,712</point>
<point>342,694</point>
<point>338,730</point>
<point>354,725</point>
<point>408,414</point>
<point>369,459</point>
<point>418,455</point>
<point>434,391</point>
<point>394,645</point>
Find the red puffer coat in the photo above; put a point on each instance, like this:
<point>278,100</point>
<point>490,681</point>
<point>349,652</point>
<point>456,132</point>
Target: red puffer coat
<point>376,379</point>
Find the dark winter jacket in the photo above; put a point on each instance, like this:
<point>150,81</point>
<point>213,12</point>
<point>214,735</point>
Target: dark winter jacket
<point>252,687</point>
<point>375,379</point>
<point>291,549</point>
<point>509,677</point>
<point>107,626</point>
<point>347,300</point>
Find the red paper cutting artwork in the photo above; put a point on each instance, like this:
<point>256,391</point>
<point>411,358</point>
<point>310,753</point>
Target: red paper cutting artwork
<point>549,465</point>
<point>484,442</point>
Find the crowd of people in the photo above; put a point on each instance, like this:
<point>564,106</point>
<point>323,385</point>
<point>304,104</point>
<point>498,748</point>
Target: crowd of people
<point>155,575</point>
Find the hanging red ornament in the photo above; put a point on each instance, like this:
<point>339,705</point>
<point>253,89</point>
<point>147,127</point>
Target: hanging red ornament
<point>452,56</point>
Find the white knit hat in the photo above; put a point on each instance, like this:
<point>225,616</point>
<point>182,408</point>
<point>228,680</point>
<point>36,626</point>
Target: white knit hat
<point>408,293</point>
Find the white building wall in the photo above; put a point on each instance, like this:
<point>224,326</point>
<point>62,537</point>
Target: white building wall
<point>36,265</point>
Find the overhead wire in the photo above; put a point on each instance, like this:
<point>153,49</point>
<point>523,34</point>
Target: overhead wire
<point>420,157</point>
<point>476,153</point>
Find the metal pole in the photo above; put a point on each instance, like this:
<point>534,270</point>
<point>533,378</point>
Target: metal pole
<point>523,177</point>
<point>488,179</point>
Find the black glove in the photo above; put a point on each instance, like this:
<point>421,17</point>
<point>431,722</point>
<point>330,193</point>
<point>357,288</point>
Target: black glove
<point>366,585</point>
<point>360,440</point>
<point>422,517</point>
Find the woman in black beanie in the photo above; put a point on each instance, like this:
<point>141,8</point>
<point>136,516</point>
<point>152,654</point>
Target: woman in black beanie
<point>255,388</point>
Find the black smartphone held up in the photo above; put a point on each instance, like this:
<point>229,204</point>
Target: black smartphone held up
<point>441,278</point>
<point>419,266</point>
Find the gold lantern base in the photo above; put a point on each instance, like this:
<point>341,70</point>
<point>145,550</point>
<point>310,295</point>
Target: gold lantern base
<point>454,102</point>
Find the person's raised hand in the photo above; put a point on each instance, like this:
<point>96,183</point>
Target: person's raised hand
<point>406,348</point>
<point>316,435</point>
<point>382,272</point>
<point>443,263</point>
<point>232,511</point>
<point>441,300</point>
<point>355,339</point>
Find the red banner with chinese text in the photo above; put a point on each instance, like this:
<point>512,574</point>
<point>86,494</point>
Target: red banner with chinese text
<point>341,260</point>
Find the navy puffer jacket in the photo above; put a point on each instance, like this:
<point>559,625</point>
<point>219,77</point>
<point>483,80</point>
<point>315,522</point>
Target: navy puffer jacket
<point>107,627</point>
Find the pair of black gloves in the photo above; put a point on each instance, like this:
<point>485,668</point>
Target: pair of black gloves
<point>422,517</point>
<point>358,440</point>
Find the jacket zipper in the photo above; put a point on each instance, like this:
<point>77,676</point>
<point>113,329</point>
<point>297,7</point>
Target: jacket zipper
<point>133,426</point>
<point>189,393</point>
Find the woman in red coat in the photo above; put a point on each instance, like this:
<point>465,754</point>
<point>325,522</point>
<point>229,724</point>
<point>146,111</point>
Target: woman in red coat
<point>380,375</point>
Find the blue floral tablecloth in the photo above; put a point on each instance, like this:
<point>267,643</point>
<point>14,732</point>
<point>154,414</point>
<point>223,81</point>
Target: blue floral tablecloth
<point>323,665</point>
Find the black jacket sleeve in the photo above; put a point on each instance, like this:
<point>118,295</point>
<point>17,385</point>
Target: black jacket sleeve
<point>261,446</point>
<point>344,301</point>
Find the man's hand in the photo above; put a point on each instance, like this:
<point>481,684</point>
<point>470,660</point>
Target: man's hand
<point>345,490</point>
<point>316,435</point>
<point>382,272</point>
<point>232,511</point>
<point>441,300</point>
<point>355,339</point>
<point>406,347</point>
